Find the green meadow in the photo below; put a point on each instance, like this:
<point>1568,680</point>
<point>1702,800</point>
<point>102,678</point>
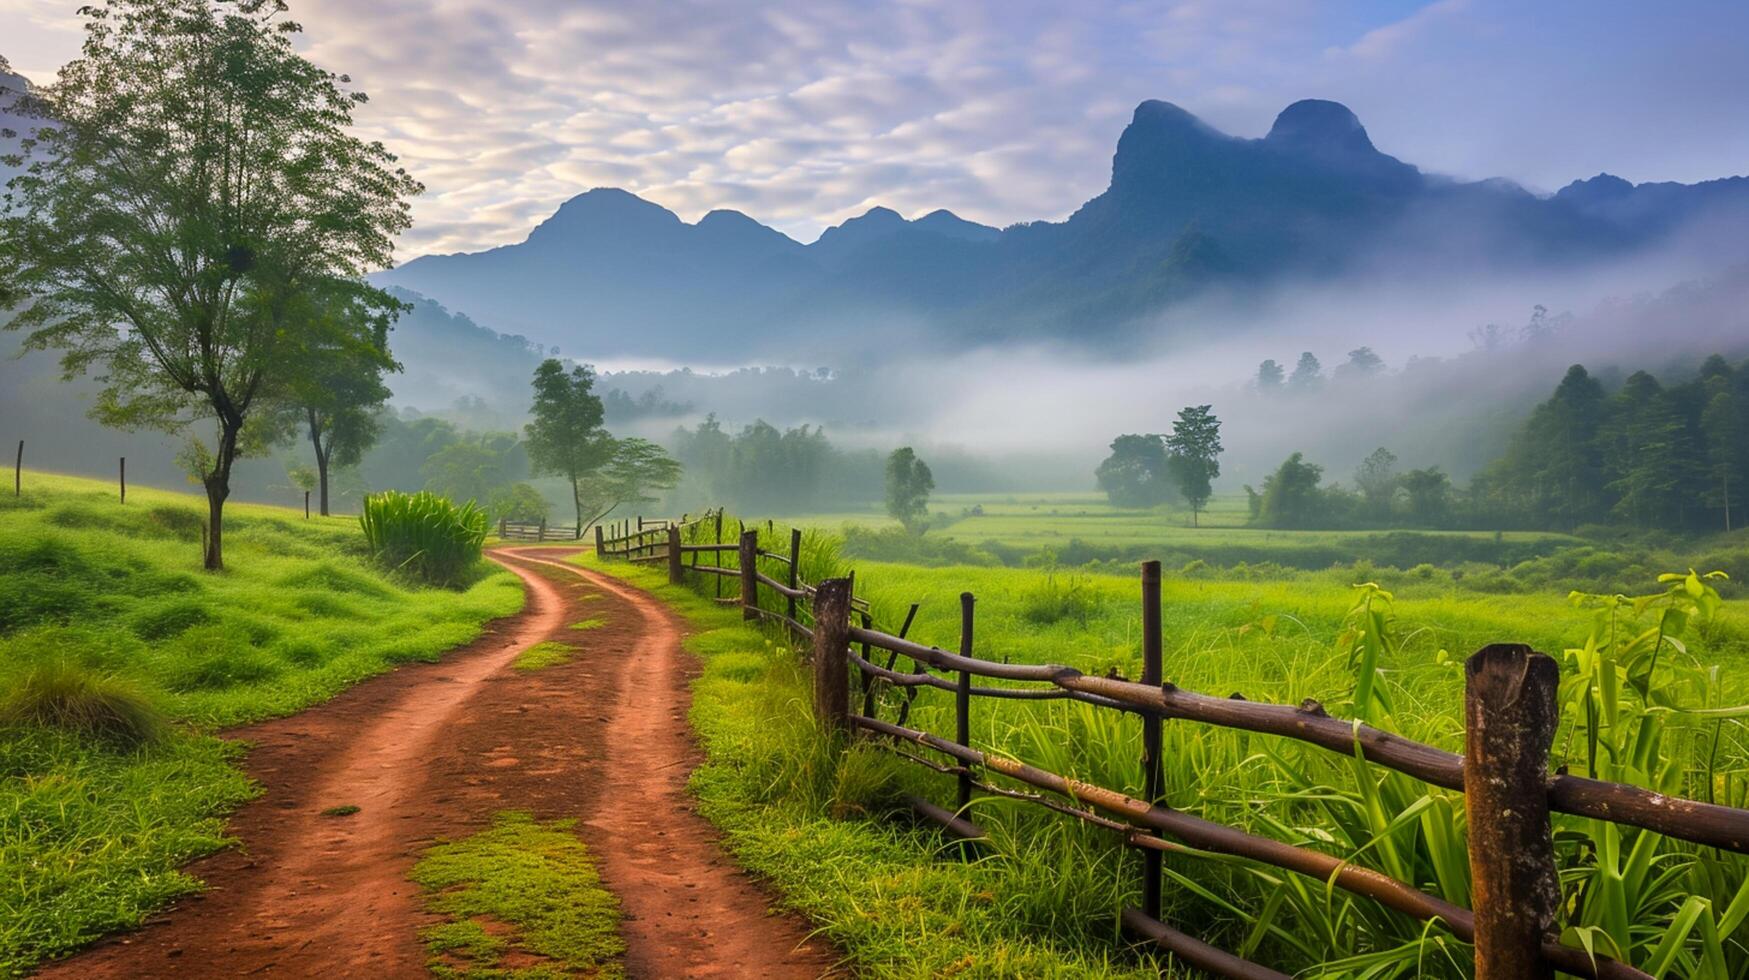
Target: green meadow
<point>1043,897</point>
<point>120,659</point>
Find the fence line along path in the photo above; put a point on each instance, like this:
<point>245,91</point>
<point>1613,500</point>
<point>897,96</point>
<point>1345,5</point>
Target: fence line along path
<point>1510,715</point>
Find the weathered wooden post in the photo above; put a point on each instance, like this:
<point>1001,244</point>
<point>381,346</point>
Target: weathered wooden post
<point>1153,773</point>
<point>718,555</point>
<point>18,471</point>
<point>675,568</point>
<point>1510,716</point>
<point>122,477</point>
<point>599,542</point>
<point>749,574</point>
<point>306,505</point>
<point>962,703</point>
<point>831,654</point>
<point>541,535</point>
<point>795,568</point>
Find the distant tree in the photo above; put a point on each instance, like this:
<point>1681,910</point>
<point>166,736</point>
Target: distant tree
<point>1722,428</point>
<point>475,468</point>
<point>517,502</point>
<point>565,437</point>
<point>192,179</point>
<point>1136,474</point>
<point>1429,493</point>
<point>1308,373</point>
<point>1290,497</point>
<point>909,483</point>
<point>1646,454</point>
<point>1193,455</point>
<point>1270,376</point>
<point>1361,363</point>
<point>336,390</point>
<point>302,477</point>
<point>1378,480</point>
<point>635,471</point>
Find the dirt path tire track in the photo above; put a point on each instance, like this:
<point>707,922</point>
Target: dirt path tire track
<point>435,750</point>
<point>690,912</point>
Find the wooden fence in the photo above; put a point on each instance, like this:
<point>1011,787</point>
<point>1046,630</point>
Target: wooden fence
<point>1510,712</point>
<point>536,531</point>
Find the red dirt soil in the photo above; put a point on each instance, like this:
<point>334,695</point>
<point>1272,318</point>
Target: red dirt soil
<point>434,751</point>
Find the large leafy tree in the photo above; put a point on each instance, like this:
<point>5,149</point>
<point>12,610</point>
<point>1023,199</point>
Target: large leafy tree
<point>909,483</point>
<point>1135,474</point>
<point>565,437</point>
<point>1194,450</point>
<point>1378,480</point>
<point>189,187</point>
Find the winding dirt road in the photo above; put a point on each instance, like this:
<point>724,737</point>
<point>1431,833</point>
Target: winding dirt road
<point>435,750</point>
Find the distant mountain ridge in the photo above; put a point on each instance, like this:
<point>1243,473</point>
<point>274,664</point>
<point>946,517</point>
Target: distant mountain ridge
<point>1189,211</point>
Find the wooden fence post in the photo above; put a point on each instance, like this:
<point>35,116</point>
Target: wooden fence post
<point>18,471</point>
<point>1510,716</point>
<point>1153,774</point>
<point>306,505</point>
<point>675,568</point>
<point>717,556</point>
<point>599,551</point>
<point>749,573</point>
<point>795,566</point>
<point>962,702</point>
<point>831,653</point>
<point>122,477</point>
<point>541,535</point>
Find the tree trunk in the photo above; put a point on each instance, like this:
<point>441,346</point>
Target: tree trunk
<point>321,461</point>
<point>218,487</point>
<point>577,502</point>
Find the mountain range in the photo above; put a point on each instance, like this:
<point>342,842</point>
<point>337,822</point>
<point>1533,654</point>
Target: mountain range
<point>1189,212</point>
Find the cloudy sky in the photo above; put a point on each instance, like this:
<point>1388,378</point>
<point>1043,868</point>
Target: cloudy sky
<point>805,112</point>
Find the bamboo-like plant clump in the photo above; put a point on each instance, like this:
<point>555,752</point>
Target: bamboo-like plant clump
<point>430,537</point>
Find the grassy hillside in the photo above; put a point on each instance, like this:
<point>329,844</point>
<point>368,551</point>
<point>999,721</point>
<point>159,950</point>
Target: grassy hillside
<point>104,612</point>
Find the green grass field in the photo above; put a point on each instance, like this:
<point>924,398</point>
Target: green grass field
<point>109,602</point>
<point>1044,898</point>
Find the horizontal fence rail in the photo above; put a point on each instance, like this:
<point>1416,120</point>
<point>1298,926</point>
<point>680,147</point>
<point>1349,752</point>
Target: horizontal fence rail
<point>1510,714</point>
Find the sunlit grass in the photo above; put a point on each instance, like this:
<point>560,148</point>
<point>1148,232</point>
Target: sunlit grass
<point>113,597</point>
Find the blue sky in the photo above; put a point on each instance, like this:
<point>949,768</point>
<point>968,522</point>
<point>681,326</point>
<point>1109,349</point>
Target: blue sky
<point>805,112</point>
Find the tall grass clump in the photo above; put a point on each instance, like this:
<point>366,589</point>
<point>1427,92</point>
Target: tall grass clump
<point>430,537</point>
<point>72,698</point>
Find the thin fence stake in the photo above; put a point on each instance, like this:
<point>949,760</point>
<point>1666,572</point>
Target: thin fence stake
<point>306,505</point>
<point>1510,716</point>
<point>962,708</point>
<point>795,562</point>
<point>18,472</point>
<point>123,478</point>
<point>718,555</point>
<point>1153,772</point>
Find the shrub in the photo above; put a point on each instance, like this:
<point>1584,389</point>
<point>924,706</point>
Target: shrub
<point>64,695</point>
<point>430,537</point>
<point>1057,599</point>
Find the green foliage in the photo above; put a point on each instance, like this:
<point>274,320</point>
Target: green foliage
<point>190,287</point>
<point>763,469</point>
<point>1291,496</point>
<point>1059,598</point>
<point>430,537</point>
<point>1136,474</point>
<point>1649,455</point>
<point>909,484</point>
<point>1193,454</point>
<point>70,697</point>
<point>536,885</point>
<point>635,470</point>
<point>565,437</point>
<point>517,502</point>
